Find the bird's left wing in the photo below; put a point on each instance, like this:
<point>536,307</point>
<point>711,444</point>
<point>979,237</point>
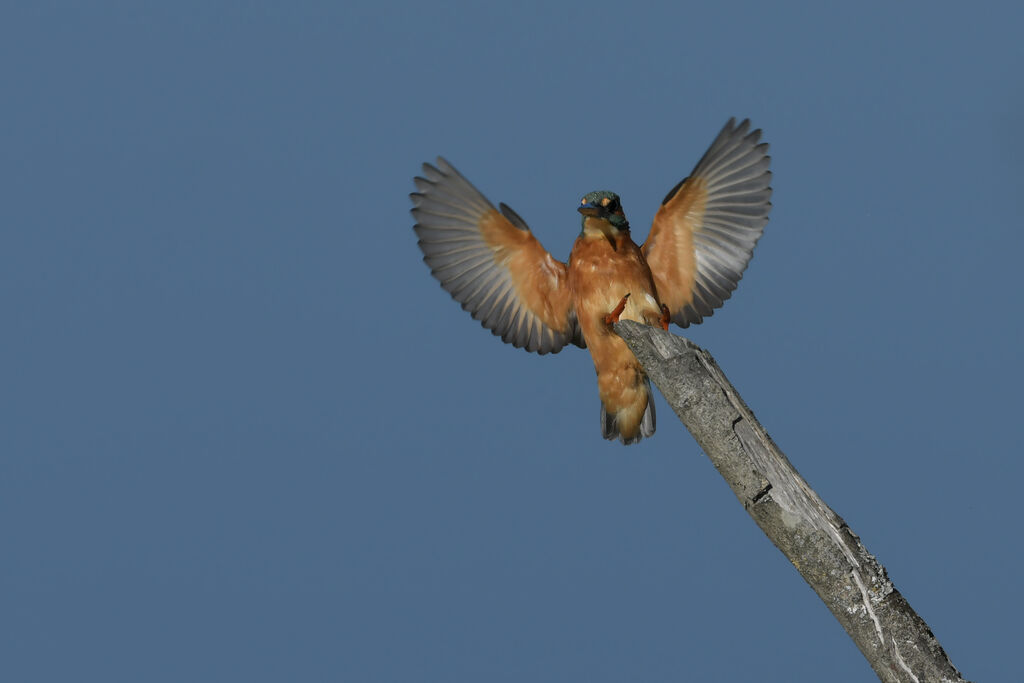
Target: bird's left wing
<point>491,263</point>
<point>704,233</point>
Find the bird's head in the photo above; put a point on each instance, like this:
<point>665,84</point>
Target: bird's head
<point>603,206</point>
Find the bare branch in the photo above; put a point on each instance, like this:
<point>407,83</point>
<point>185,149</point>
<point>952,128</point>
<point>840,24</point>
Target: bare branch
<point>853,585</point>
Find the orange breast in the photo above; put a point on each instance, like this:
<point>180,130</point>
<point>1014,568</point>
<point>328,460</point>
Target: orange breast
<point>600,274</point>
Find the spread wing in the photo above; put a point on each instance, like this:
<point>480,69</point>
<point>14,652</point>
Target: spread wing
<point>704,233</point>
<point>491,263</point>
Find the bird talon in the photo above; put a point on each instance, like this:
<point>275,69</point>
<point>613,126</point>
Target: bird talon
<point>666,317</point>
<point>613,317</point>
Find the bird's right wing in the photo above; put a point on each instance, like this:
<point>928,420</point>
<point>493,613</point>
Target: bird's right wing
<point>491,263</point>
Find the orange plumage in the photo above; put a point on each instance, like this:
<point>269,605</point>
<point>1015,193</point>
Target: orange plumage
<point>602,270</point>
<point>701,240</point>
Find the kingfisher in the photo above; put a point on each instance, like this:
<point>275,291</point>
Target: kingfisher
<point>699,244</point>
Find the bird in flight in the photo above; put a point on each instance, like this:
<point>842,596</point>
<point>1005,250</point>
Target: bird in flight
<point>701,241</point>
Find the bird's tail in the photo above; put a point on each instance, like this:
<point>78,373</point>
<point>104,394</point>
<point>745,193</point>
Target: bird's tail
<point>610,427</point>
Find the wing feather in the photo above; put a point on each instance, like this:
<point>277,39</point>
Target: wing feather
<point>491,263</point>
<point>705,231</point>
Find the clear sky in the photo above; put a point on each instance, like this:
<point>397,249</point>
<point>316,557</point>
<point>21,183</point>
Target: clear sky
<point>246,436</point>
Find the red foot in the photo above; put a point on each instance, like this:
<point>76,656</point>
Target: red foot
<point>666,318</point>
<point>613,317</point>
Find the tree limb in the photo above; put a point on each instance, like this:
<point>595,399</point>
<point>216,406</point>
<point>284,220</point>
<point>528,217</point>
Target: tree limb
<point>897,643</point>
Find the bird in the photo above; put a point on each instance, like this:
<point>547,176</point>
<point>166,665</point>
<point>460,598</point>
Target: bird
<point>700,242</point>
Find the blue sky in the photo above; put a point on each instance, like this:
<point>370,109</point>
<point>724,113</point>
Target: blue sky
<point>246,436</point>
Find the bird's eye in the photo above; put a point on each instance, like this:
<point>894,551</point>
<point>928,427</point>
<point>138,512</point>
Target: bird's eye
<point>613,205</point>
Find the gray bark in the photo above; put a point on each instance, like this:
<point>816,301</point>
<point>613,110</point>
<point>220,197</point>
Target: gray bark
<point>853,585</point>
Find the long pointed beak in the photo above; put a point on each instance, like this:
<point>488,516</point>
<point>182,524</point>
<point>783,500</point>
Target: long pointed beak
<point>593,209</point>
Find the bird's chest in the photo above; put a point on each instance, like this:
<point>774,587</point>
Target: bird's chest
<point>601,274</point>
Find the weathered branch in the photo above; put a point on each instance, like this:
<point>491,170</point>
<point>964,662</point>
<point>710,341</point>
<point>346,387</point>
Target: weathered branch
<point>895,640</point>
